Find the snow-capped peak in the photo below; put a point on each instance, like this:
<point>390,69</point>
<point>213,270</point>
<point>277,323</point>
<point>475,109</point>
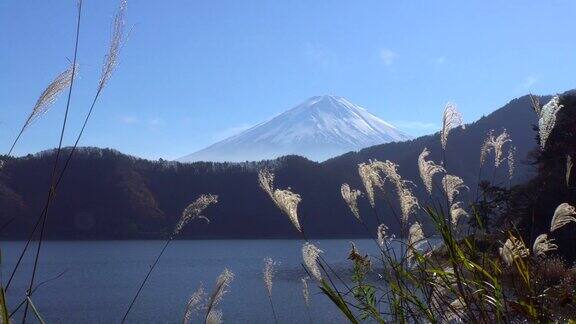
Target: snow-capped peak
<point>319,128</point>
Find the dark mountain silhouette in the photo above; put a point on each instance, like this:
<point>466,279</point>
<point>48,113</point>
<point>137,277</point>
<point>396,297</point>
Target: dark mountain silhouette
<point>109,195</point>
<point>534,202</point>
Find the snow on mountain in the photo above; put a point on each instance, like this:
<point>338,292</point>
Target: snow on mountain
<point>320,128</point>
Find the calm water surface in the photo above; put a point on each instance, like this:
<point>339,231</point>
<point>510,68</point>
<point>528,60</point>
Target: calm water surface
<point>102,277</point>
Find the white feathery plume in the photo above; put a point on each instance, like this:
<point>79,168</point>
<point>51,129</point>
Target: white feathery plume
<point>350,196</point>
<point>452,186</point>
<point>486,147</point>
<point>50,94</point>
<point>428,169</point>
<point>194,210</point>
<point>535,103</point>
<point>513,249</point>
<point>547,119</point>
<point>498,145</point>
<point>569,165</point>
<point>511,162</point>
<point>456,212</point>
<point>563,215</point>
<point>408,202</point>
<point>370,175</point>
<point>268,274</point>
<point>195,304</point>
<point>214,317</point>
<point>415,237</point>
<point>495,143</point>
<point>310,254</point>
<point>390,170</point>
<point>382,235</point>
<point>286,200</point>
<point>111,58</point>
<point>450,119</point>
<point>222,284</point>
<point>542,245</point>
<point>371,180</point>
<point>266,181</point>
<point>506,252</point>
<point>305,291</point>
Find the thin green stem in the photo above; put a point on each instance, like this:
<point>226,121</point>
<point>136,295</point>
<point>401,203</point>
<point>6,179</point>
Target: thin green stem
<point>54,170</point>
<point>145,279</point>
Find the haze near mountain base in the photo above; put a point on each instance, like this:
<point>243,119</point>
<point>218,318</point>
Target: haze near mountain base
<point>320,128</point>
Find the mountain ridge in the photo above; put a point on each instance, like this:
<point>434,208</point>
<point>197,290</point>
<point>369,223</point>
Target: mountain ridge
<point>319,128</point>
<point>109,195</point>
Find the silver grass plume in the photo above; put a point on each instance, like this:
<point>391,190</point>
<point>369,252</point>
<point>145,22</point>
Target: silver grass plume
<point>50,94</point>
<point>569,165</point>
<point>452,186</point>
<point>415,237</point>
<point>535,103</point>
<point>513,249</point>
<point>450,119</point>
<point>408,202</point>
<point>542,245</point>
<point>195,303</point>
<point>371,180</point>
<point>310,254</point>
<point>563,215</point>
<point>390,170</point>
<point>194,210</point>
<point>428,169</point>
<point>511,162</point>
<point>268,274</point>
<point>382,235</point>
<point>266,181</point>
<point>305,290</point>
<point>350,196</point>
<point>495,143</point>
<point>117,38</point>
<point>222,284</point>
<point>456,212</point>
<point>286,200</point>
<point>486,147</point>
<point>547,119</point>
<point>498,146</point>
<point>214,317</point>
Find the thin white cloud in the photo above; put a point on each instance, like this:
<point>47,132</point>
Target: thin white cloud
<point>440,60</point>
<point>528,82</point>
<point>155,122</point>
<point>320,55</point>
<point>416,125</point>
<point>129,120</point>
<point>231,131</point>
<point>388,56</point>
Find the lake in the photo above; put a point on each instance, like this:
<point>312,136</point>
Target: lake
<point>102,276</point>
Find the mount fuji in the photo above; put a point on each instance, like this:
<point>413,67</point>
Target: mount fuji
<point>320,128</point>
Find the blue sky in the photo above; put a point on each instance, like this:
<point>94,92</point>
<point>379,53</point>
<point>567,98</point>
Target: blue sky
<point>194,72</point>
